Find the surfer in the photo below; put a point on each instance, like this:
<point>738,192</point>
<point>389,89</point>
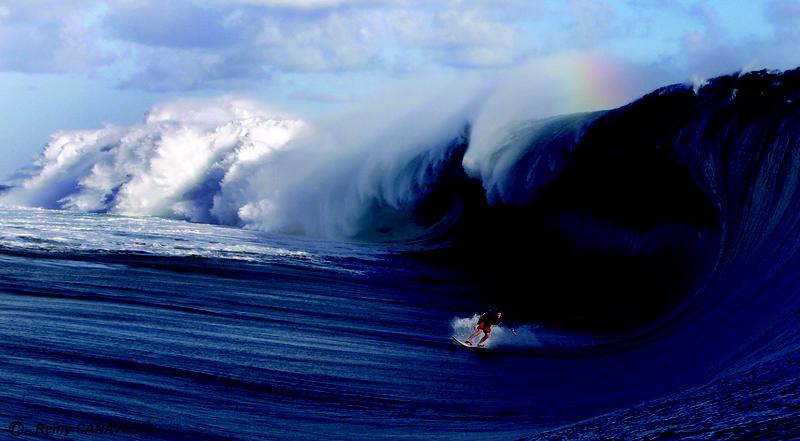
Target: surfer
<point>485,323</point>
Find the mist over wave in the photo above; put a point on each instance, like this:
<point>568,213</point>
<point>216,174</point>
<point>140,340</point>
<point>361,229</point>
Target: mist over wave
<point>377,171</point>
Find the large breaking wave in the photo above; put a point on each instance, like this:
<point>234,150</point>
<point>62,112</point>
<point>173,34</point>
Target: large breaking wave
<point>238,162</point>
<point>673,220</point>
<point>626,214</point>
<point>183,161</point>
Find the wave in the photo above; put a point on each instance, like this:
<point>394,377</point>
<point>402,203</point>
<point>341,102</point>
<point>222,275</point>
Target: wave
<point>610,218</point>
<point>175,164</point>
<point>237,162</point>
<point>663,233</point>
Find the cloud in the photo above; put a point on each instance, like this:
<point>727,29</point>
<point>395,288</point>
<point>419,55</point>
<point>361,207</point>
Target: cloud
<point>711,48</point>
<point>461,37</point>
<point>184,45</point>
<point>230,48</point>
<point>335,42</point>
<point>172,24</point>
<point>593,20</point>
<point>316,96</point>
<point>165,71</point>
<point>304,5</point>
<point>55,38</point>
<point>784,15</point>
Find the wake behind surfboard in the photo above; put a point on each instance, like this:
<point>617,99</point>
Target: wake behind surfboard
<point>461,342</point>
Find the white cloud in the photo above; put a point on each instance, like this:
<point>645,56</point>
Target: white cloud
<point>482,56</point>
<point>461,37</point>
<point>297,4</point>
<point>210,44</point>
<point>207,44</point>
<point>49,38</point>
<point>335,42</point>
<point>784,15</point>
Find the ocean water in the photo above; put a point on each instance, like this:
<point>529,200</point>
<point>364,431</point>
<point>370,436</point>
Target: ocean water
<point>648,255</point>
<point>209,332</point>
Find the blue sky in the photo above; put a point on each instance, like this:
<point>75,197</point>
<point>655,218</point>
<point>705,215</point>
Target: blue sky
<point>74,64</point>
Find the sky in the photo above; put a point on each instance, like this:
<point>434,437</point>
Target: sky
<point>81,64</point>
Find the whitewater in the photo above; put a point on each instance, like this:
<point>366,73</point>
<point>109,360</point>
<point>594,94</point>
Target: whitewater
<point>223,270</point>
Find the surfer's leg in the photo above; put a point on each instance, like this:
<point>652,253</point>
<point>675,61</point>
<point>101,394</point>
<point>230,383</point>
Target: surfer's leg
<point>485,336</point>
<point>478,330</point>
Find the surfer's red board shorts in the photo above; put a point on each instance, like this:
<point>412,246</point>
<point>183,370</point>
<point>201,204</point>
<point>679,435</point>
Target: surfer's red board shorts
<point>484,327</point>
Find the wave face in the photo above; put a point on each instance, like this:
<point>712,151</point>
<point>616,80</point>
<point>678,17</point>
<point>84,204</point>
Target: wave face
<point>655,211</point>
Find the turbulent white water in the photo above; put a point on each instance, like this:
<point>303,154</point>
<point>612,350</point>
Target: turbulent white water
<point>528,335</point>
<point>70,233</point>
<point>229,161</point>
<point>238,162</point>
<point>155,168</point>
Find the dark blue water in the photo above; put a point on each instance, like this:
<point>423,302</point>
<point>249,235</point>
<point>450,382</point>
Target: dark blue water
<point>648,253</point>
<point>263,337</point>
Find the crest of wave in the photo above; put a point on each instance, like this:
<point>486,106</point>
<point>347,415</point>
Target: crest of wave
<point>180,162</point>
<point>234,161</point>
<point>357,173</point>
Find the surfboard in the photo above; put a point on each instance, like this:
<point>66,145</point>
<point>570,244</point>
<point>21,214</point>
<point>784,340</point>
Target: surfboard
<point>461,342</point>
